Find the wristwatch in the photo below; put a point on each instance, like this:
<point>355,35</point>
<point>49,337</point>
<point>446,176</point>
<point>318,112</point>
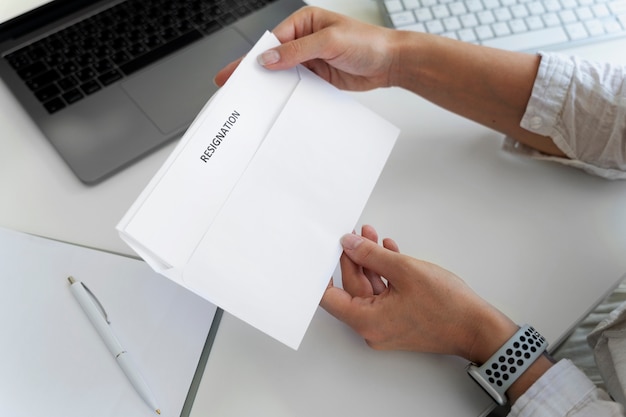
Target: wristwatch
<point>500,371</point>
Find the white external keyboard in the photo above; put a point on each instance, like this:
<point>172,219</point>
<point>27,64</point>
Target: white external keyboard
<point>521,25</point>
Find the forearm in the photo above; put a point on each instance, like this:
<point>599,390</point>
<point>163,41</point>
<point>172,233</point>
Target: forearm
<point>489,86</point>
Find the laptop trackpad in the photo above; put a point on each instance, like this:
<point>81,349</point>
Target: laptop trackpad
<point>172,92</point>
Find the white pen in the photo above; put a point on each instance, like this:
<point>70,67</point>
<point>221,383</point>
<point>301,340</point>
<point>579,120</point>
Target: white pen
<point>92,307</point>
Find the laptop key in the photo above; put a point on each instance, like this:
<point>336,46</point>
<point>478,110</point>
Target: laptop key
<point>109,77</point>
<point>54,105</point>
<point>90,87</point>
<point>73,96</point>
<point>158,53</point>
<point>32,70</point>
<point>42,80</point>
<point>47,92</point>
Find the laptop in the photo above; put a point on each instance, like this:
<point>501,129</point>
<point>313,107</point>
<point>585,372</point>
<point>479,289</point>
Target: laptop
<point>109,81</point>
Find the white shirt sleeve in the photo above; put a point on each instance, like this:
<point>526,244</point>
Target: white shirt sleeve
<point>581,105</point>
<point>565,391</point>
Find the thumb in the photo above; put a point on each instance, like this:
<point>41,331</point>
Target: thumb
<point>369,255</point>
<point>292,53</point>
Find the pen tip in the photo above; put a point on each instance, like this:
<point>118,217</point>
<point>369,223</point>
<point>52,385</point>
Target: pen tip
<point>158,411</point>
<point>71,280</point>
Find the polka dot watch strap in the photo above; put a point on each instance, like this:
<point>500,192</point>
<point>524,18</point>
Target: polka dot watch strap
<point>500,371</point>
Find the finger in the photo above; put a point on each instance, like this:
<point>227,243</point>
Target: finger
<point>369,232</point>
<point>369,255</point>
<point>353,279</point>
<point>391,244</point>
<point>378,285</point>
<point>295,52</point>
<point>344,307</point>
<point>224,74</point>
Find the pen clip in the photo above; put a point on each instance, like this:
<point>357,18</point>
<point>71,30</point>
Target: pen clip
<point>100,306</point>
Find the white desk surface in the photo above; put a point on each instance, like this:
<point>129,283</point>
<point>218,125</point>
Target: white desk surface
<point>540,241</point>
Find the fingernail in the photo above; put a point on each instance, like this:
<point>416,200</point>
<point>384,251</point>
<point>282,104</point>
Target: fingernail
<point>351,241</point>
<point>269,57</point>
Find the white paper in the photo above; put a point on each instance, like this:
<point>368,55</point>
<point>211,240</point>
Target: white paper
<point>255,228</point>
<point>54,363</point>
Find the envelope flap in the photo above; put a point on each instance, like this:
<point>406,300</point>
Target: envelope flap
<point>171,215</point>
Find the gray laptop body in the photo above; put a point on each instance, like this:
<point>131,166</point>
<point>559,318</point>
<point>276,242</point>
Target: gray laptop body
<point>101,127</point>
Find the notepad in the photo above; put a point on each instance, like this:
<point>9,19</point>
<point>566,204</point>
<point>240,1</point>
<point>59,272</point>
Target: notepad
<point>53,362</point>
<point>248,210</point>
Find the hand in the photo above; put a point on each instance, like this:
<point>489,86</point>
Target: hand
<point>398,302</point>
<point>345,52</point>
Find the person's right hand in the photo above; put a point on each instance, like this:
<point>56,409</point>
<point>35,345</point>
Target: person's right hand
<point>418,306</point>
<point>349,54</point>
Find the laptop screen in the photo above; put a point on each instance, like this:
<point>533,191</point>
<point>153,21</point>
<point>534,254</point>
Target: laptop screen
<point>10,9</point>
<point>19,17</point>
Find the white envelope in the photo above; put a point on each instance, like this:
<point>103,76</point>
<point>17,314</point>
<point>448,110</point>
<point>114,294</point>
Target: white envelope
<point>248,210</point>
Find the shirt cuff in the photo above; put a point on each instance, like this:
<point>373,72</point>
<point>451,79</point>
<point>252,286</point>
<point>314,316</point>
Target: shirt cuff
<point>562,388</point>
<point>517,148</point>
<point>543,110</point>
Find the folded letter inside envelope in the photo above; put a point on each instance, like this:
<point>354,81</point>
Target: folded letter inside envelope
<point>248,209</point>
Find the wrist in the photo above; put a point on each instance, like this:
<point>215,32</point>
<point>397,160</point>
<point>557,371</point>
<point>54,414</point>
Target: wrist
<point>514,367</point>
<point>491,333</point>
<point>407,51</point>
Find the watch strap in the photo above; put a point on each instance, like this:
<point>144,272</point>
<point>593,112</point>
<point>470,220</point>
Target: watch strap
<point>502,369</point>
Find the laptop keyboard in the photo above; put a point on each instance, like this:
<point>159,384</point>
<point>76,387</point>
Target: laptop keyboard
<point>86,57</point>
<point>512,24</point>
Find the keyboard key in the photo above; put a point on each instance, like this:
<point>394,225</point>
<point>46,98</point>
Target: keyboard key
<point>440,11</point>
<point>536,8</point>
<point>42,80</point>
<point>552,5</point>
<point>31,70</point>
<point>435,26</point>
<point>394,6</point>
<point>502,14</point>
<point>486,17</point>
<point>519,11</point>
<point>47,92</point>
<point>72,96</point>
<point>618,7</point>
<point>576,31</point>
<point>583,13</point>
<point>90,87</point>
<point>109,77</point>
<point>467,35</point>
<point>484,32</point>
<point>600,10</point>
<point>567,16</point>
<point>594,27</point>
<point>518,26</point>
<point>54,105</point>
<point>501,29</point>
<point>163,50</point>
<point>469,21</point>
<point>530,40</point>
<point>402,18</point>
<point>458,8</point>
<point>474,5</point>
<point>423,14</point>
<point>551,19</point>
<point>452,23</point>
<point>534,23</point>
